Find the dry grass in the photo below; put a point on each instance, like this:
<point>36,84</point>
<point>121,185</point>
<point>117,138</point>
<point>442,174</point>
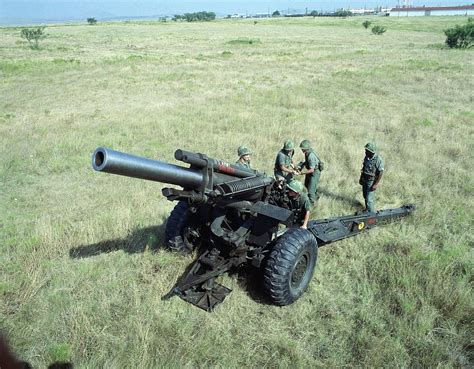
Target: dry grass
<point>82,268</point>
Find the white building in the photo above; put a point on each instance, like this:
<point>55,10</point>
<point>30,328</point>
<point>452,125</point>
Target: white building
<point>432,10</point>
<point>362,11</point>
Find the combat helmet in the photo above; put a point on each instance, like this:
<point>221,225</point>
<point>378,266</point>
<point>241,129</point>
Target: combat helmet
<point>305,145</point>
<point>288,145</point>
<point>243,150</point>
<point>371,147</point>
<point>295,186</point>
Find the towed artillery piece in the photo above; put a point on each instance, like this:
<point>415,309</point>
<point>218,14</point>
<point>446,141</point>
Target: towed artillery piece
<point>236,216</point>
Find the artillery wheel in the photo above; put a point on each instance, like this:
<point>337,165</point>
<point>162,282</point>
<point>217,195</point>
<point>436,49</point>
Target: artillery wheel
<point>179,236</point>
<point>290,266</point>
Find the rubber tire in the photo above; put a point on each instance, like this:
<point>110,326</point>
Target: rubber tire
<point>175,225</point>
<point>296,245</point>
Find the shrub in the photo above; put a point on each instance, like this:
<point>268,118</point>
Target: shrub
<point>276,13</point>
<point>342,13</point>
<point>196,17</point>
<point>366,24</point>
<point>91,21</point>
<point>33,35</point>
<point>460,37</point>
<point>378,30</point>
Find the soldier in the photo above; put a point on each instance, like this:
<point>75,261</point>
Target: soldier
<point>284,167</point>
<point>311,167</point>
<point>299,201</point>
<point>370,176</point>
<point>244,157</point>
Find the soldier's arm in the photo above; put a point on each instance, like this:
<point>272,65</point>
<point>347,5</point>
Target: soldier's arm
<point>293,166</point>
<point>307,171</point>
<point>284,168</point>
<point>377,179</point>
<point>280,164</point>
<point>312,164</point>
<point>305,221</point>
<point>378,175</point>
<point>307,208</point>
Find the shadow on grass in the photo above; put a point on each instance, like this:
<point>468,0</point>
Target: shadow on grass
<point>250,279</point>
<point>350,200</point>
<point>150,238</point>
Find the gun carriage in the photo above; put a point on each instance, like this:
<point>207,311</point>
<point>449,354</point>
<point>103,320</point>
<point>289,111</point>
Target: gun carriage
<point>235,216</point>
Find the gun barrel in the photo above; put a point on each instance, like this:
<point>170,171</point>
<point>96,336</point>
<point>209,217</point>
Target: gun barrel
<point>200,161</point>
<point>116,162</point>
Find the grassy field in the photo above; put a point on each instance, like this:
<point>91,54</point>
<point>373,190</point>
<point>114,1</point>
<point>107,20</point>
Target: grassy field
<point>82,263</point>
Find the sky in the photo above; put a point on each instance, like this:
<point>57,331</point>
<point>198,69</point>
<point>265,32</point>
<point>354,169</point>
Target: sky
<point>45,11</point>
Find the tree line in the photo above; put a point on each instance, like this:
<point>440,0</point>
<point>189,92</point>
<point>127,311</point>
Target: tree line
<point>195,17</point>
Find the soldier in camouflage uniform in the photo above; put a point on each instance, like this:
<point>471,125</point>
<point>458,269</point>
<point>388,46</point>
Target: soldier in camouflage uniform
<point>284,166</point>
<point>311,167</point>
<point>370,176</point>
<point>244,157</point>
<point>299,202</point>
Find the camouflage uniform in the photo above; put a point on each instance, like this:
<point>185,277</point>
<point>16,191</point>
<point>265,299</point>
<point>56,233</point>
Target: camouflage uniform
<point>312,161</point>
<point>285,158</point>
<point>371,168</point>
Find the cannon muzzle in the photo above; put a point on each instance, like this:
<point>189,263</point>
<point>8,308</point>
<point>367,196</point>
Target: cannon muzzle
<point>116,162</point>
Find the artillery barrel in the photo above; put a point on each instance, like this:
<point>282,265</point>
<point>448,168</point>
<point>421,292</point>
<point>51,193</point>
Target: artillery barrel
<point>116,162</point>
<point>244,185</point>
<point>200,161</point>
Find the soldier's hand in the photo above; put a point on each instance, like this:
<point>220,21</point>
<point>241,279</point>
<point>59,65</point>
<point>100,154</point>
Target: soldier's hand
<point>304,227</point>
<point>373,188</point>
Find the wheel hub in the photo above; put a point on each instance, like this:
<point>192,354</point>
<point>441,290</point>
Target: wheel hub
<point>299,270</point>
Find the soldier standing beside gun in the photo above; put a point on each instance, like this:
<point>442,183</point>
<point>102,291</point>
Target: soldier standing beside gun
<point>370,176</point>
<point>299,202</point>
<point>244,157</point>
<point>311,167</point>
<point>284,167</point>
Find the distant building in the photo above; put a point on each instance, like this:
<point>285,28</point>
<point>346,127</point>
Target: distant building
<point>362,11</point>
<point>376,11</point>
<point>261,15</point>
<point>432,10</point>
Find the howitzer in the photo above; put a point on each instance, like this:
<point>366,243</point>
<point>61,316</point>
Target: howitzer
<point>235,216</point>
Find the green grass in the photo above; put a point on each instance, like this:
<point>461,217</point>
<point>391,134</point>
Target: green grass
<point>82,265</point>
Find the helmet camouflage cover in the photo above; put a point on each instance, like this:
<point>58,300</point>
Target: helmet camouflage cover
<point>371,147</point>
<point>305,144</point>
<point>289,145</point>
<point>295,186</point>
<point>243,150</point>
